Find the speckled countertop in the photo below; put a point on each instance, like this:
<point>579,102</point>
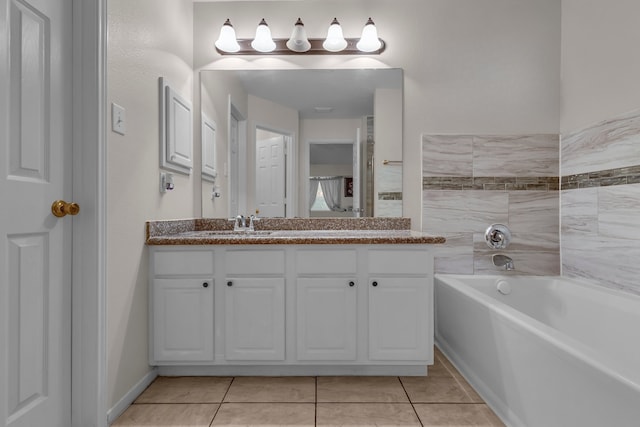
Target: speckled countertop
<point>272,231</point>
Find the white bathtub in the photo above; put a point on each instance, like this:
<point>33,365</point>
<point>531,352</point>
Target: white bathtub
<point>553,352</point>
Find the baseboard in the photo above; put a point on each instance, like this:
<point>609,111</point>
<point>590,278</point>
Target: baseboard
<point>129,397</point>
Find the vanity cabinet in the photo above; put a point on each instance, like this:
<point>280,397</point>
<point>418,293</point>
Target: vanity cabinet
<point>291,309</point>
<point>326,303</point>
<point>182,301</point>
<point>326,318</point>
<point>183,319</point>
<point>254,309</point>
<point>400,305</point>
<point>254,319</point>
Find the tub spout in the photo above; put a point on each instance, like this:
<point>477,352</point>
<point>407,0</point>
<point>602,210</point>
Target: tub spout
<point>500,260</point>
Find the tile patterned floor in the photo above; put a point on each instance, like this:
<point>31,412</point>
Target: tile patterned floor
<point>443,398</point>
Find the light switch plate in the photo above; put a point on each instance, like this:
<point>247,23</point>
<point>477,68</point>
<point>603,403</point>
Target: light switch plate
<point>118,121</point>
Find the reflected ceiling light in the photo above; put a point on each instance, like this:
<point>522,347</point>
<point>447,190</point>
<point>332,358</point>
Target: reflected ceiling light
<point>263,41</point>
<point>227,40</point>
<point>369,41</point>
<point>298,41</point>
<point>335,41</point>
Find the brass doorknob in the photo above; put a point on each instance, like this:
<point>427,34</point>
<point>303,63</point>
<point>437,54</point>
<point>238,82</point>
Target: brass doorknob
<point>61,208</point>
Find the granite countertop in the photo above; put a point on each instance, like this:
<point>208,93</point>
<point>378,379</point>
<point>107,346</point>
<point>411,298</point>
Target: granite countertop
<point>288,231</point>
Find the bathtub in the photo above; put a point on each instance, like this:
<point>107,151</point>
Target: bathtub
<point>551,352</point>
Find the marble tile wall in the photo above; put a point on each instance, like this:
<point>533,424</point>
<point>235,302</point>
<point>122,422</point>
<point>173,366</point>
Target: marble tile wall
<point>473,181</point>
<point>389,197</point>
<point>600,201</point>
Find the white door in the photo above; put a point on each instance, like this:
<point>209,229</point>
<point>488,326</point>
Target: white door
<point>326,318</point>
<point>254,319</point>
<point>35,246</point>
<point>356,176</point>
<point>270,177</point>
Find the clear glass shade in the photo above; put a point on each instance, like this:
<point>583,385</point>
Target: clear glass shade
<point>227,40</point>
<point>298,41</point>
<point>335,41</point>
<point>369,41</point>
<point>263,42</point>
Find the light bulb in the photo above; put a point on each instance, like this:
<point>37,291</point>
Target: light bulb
<point>227,40</point>
<point>263,41</point>
<point>369,41</point>
<point>335,41</point>
<point>298,41</point>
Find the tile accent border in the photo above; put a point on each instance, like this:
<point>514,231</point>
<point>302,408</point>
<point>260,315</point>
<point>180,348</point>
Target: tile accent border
<point>492,183</point>
<point>390,195</point>
<point>603,178</point>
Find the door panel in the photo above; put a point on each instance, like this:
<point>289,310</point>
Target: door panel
<point>35,246</point>
<point>270,174</point>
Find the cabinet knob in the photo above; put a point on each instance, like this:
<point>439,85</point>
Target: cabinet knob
<point>205,285</point>
<point>229,283</point>
<point>352,284</point>
<point>374,284</point>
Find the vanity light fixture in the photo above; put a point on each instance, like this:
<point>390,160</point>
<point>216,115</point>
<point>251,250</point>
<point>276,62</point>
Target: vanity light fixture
<point>227,41</point>
<point>263,42</point>
<point>298,44</point>
<point>335,41</point>
<point>369,41</point>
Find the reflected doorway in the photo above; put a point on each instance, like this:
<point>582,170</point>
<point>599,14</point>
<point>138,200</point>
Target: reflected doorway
<point>272,172</point>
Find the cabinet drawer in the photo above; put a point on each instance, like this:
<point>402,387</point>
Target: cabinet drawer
<point>254,262</point>
<point>326,261</point>
<point>400,262</point>
<point>183,263</point>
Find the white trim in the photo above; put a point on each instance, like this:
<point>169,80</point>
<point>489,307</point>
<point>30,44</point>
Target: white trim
<point>88,353</point>
<point>130,396</point>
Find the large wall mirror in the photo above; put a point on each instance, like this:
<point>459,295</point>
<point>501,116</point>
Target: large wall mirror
<point>303,143</point>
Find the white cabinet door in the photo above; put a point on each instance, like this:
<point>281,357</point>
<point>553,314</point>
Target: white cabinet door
<point>399,318</point>
<point>326,318</point>
<point>254,319</point>
<point>183,319</point>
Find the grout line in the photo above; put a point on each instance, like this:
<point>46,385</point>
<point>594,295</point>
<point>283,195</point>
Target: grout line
<point>315,405</point>
<point>221,402</point>
<point>411,402</point>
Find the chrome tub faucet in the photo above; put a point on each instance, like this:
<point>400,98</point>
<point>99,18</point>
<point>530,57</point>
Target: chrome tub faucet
<point>500,260</point>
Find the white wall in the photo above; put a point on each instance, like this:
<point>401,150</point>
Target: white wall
<point>146,39</point>
<point>600,61</point>
<point>470,66</point>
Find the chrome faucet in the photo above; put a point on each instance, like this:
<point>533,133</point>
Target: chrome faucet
<point>252,218</point>
<point>500,260</point>
<point>240,223</point>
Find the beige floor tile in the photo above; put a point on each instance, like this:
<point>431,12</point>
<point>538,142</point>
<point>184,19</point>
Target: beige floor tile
<point>361,389</point>
<point>272,389</point>
<point>366,414</point>
<point>473,395</point>
<point>434,389</point>
<point>174,415</point>
<point>265,414</point>
<point>438,369</point>
<point>185,390</point>
<point>441,415</point>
